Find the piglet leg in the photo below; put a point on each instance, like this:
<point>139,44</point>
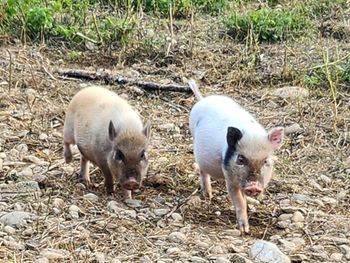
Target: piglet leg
<point>205,184</point>
<point>67,153</point>
<point>84,171</point>
<point>127,194</point>
<point>240,202</point>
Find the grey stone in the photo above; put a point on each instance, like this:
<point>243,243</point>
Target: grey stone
<point>9,230</point>
<point>16,218</point>
<point>74,211</point>
<point>145,259</point>
<point>176,216</point>
<point>237,258</point>
<point>284,217</point>
<point>54,254</point>
<point>336,257</point>
<point>134,203</point>
<point>291,92</point>
<point>100,257</point>
<point>20,189</point>
<point>91,197</point>
<point>298,217</point>
<point>177,237</point>
<point>161,211</point>
<point>58,202</point>
<point>196,259</point>
<point>267,252</point>
<point>293,128</point>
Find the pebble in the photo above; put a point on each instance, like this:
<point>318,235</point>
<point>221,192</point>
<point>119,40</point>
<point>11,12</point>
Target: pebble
<point>298,217</point>
<point>91,197</point>
<point>293,128</point>
<point>177,237</point>
<point>16,218</point>
<point>134,203</point>
<point>26,173</point>
<point>217,213</point>
<point>196,259</point>
<point>217,250</point>
<point>145,259</point>
<point>337,257</point>
<point>167,126</point>
<point>337,240</point>
<point>267,252</point>
<point>99,257</point>
<point>237,258</point>
<point>329,200</point>
<point>291,92</point>
<point>42,260</point>
<point>34,159</point>
<point>176,216</point>
<point>28,231</point>
<point>325,179</point>
<point>14,245</point>
<point>222,260</point>
<point>173,250</point>
<point>58,202</point>
<point>74,211</point>
<point>43,137</point>
<point>202,244</point>
<point>282,224</point>
<point>233,232</point>
<point>161,211</point>
<point>9,230</point>
<point>23,187</point>
<point>300,198</point>
<point>54,254</point>
<point>284,217</point>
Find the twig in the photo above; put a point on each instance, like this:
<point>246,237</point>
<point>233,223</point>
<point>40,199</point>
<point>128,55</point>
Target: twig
<point>96,27</point>
<point>87,38</point>
<point>48,73</point>
<point>171,29</point>
<point>10,71</point>
<point>112,79</point>
<point>330,63</point>
<point>180,204</point>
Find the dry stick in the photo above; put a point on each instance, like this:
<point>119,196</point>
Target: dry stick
<point>171,29</point>
<point>120,80</point>
<point>180,204</point>
<point>10,71</point>
<point>192,33</point>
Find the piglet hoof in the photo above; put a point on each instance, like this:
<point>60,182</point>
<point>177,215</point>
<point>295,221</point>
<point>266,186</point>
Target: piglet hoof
<point>244,229</point>
<point>127,194</point>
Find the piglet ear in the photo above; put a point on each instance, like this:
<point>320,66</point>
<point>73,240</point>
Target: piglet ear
<point>276,137</point>
<point>111,131</point>
<point>147,130</point>
<point>233,136</point>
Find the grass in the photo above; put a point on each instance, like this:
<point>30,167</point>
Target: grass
<point>268,25</point>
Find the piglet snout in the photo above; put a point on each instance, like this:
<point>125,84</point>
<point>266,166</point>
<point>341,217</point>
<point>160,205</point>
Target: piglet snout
<point>253,189</point>
<point>131,184</point>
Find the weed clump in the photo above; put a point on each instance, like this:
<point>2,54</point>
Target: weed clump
<point>268,25</point>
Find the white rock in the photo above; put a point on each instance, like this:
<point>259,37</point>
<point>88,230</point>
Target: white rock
<point>134,203</point>
<point>237,258</point>
<point>217,213</point>
<point>160,211</point>
<point>196,259</point>
<point>74,211</point>
<point>267,252</point>
<point>42,260</point>
<point>26,173</point>
<point>336,257</point>
<point>91,197</point>
<point>291,92</point>
<point>176,216</point>
<point>329,200</point>
<point>216,250</point>
<point>34,159</point>
<point>284,217</point>
<point>298,217</point>
<point>293,128</point>
<point>173,250</point>
<point>43,137</point>
<point>177,237</point>
<point>13,245</point>
<point>325,179</point>
<point>58,202</point>
<point>100,257</point>
<point>54,254</point>
<point>167,126</point>
<point>222,260</point>
<point>145,259</point>
<point>22,148</point>
<point>16,218</point>
<point>9,230</point>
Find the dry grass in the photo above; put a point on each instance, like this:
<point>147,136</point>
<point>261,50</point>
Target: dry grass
<point>35,103</point>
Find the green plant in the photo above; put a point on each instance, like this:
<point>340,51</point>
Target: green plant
<point>39,20</point>
<point>267,24</point>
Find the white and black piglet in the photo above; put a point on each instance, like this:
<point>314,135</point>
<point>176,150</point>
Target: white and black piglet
<point>230,144</point>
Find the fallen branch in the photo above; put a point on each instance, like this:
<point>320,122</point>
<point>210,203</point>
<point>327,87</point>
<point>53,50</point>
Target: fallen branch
<point>113,79</point>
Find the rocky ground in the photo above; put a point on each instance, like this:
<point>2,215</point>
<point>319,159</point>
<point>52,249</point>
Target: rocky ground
<point>45,215</point>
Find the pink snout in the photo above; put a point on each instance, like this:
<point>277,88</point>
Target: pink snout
<point>131,184</point>
<point>253,189</point>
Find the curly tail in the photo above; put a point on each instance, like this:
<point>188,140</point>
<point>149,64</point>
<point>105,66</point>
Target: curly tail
<point>195,89</point>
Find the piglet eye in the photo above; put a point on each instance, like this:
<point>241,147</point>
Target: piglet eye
<point>241,160</point>
<point>143,155</point>
<point>119,156</point>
